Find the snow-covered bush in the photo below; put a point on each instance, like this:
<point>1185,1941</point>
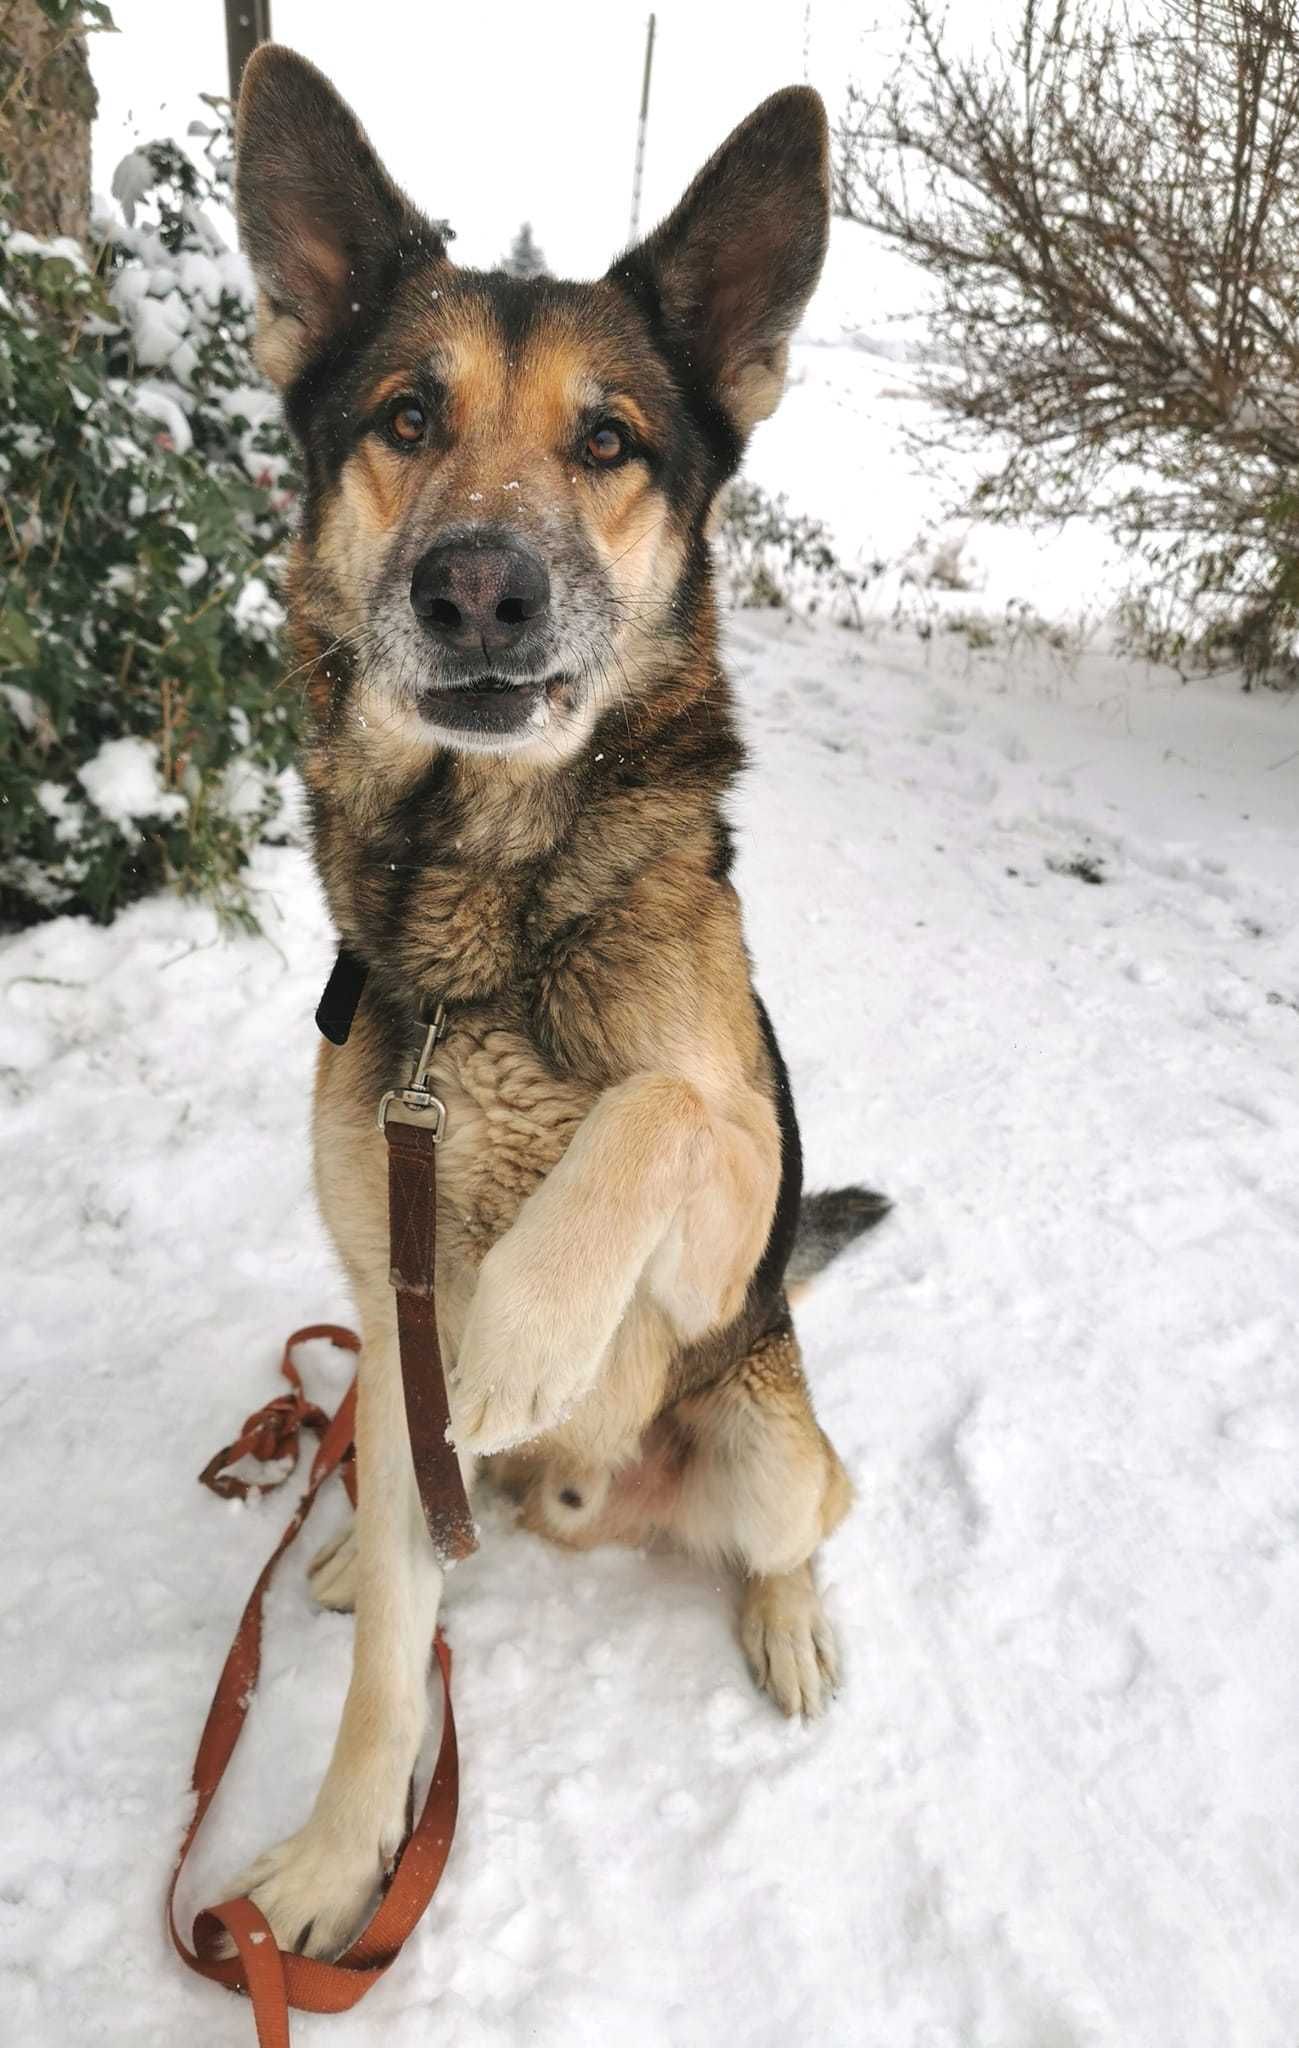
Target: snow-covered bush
<point>770,558</point>
<point>144,501</point>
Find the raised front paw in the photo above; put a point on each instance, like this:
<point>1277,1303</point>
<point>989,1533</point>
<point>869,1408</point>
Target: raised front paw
<point>316,1888</point>
<point>525,1358</point>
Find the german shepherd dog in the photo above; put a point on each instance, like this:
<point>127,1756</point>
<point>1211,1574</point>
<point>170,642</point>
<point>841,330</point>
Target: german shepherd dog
<point>520,744</point>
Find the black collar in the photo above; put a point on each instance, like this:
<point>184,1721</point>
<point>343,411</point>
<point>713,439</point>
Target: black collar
<point>337,1007</point>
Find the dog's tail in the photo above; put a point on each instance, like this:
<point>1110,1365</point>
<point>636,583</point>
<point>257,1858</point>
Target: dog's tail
<point>827,1224</point>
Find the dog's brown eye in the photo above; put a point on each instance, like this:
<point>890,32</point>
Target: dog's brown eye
<point>407,421</point>
<point>605,445</point>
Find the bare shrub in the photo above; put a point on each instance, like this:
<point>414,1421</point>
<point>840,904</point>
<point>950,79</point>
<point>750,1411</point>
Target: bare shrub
<point>771,558</point>
<point>1108,209</point>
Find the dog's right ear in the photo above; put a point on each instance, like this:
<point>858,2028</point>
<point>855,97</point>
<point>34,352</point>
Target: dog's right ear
<point>732,267</point>
<point>322,224</point>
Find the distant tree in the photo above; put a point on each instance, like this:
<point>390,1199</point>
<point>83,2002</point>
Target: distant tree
<point>47,103</point>
<point>525,258</point>
<point>1109,210</point>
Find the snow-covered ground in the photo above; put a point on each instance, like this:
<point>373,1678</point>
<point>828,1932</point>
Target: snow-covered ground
<point>1027,926</point>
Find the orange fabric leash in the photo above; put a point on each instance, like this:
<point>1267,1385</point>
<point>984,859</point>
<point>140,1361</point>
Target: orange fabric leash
<point>273,1980</point>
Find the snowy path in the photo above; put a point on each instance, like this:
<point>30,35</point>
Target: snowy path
<point>1057,1804</point>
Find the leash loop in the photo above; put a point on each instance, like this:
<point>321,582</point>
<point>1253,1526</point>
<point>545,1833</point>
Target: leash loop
<point>275,1981</point>
<point>272,1433</point>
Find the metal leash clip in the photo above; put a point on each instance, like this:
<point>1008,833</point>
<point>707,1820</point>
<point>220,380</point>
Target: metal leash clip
<point>416,1103</point>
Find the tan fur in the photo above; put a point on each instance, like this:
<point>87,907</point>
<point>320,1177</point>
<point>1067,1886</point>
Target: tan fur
<point>380,487</point>
<point>737,1472</point>
<point>281,343</point>
<point>754,392</point>
<point>670,1182</point>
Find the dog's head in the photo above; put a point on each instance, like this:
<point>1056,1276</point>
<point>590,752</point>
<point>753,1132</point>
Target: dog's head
<point>507,482</point>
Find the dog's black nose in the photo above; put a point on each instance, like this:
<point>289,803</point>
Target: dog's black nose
<point>479,594</point>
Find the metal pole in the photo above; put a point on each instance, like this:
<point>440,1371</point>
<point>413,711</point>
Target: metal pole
<point>248,22</point>
<point>640,133</point>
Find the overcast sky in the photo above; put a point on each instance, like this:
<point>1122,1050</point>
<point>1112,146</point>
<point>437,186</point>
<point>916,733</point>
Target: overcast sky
<point>492,111</point>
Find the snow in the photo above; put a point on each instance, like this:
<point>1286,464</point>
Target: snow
<point>840,448</point>
<point>1055,1803</point>
<point>124,783</point>
<point>202,276</point>
<point>59,803</point>
<point>885,317</point>
<point>21,703</point>
<point>160,333</point>
<point>134,178</point>
<point>157,403</point>
<point>246,789</point>
<point>65,247</point>
<point>256,613</point>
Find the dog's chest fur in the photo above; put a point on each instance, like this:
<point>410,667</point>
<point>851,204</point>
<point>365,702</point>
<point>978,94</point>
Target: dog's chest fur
<point>510,1118</point>
<point>580,929</point>
<point>565,906</point>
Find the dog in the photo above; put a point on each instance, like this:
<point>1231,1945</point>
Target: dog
<point>520,742</point>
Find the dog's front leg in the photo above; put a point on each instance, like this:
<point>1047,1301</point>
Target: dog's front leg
<point>652,1152</point>
<point>314,1888</point>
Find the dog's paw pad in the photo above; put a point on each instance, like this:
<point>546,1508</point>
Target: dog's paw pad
<point>498,1414</point>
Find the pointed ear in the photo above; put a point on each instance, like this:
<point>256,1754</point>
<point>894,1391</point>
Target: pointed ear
<point>321,222</point>
<point>736,263</point>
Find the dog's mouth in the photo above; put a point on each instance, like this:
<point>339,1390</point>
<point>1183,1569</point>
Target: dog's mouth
<point>489,686</point>
<point>491,705</point>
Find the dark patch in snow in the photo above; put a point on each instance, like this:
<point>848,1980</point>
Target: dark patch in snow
<point>1084,867</point>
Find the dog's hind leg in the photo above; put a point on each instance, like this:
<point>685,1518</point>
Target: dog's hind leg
<point>762,1486</point>
<point>315,1887</point>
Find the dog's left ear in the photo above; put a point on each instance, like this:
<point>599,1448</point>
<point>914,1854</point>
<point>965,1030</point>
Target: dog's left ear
<point>733,267</point>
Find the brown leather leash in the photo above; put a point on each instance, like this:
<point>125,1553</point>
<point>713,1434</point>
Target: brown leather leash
<point>412,1119</point>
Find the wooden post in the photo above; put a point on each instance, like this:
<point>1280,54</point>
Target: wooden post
<point>640,133</point>
<point>248,22</point>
